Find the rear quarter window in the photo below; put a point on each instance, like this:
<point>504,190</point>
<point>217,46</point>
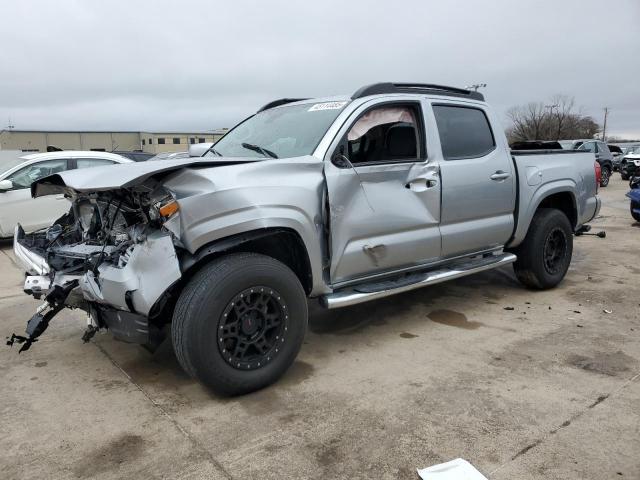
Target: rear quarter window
<point>464,132</point>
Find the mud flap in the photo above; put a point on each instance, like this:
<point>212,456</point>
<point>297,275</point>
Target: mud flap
<point>38,323</point>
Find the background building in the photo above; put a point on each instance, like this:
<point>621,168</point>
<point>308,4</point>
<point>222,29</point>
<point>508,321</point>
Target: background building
<point>39,140</point>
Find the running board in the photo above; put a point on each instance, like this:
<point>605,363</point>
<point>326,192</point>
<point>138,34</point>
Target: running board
<point>373,291</point>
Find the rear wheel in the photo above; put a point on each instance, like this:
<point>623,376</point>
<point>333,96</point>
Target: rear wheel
<point>239,323</point>
<point>545,254</point>
<point>605,176</point>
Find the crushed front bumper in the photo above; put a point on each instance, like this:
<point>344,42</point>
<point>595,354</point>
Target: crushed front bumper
<point>118,297</point>
<point>33,263</point>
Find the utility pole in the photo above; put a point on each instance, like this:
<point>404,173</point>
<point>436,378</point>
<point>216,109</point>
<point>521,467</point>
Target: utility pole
<point>604,127</point>
<point>550,108</point>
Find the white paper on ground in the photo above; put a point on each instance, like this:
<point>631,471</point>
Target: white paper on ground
<point>457,469</point>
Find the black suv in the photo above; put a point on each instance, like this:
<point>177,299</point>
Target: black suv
<point>600,149</point>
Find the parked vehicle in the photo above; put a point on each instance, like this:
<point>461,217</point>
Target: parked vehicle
<point>617,154</point>
<point>536,145</point>
<point>17,174</point>
<point>630,164</point>
<point>634,196</point>
<point>601,151</point>
<point>136,156</point>
<point>345,199</point>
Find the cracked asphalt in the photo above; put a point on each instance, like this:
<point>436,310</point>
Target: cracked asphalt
<point>549,388</point>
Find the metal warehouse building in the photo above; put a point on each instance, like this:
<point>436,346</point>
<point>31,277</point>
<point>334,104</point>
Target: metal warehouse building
<point>156,142</point>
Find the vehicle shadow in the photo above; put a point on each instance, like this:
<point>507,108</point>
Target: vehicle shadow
<point>161,372</point>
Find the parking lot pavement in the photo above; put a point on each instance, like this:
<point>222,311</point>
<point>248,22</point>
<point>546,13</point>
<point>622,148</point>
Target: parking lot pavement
<point>547,389</point>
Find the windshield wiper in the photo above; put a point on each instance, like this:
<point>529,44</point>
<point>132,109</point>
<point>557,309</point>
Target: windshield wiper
<point>212,150</point>
<point>259,149</point>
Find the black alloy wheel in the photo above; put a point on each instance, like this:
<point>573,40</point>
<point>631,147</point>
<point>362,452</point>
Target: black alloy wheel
<point>252,328</point>
<point>555,250</point>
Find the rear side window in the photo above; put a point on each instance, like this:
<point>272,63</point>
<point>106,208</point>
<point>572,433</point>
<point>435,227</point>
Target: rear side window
<point>464,132</point>
<point>588,146</point>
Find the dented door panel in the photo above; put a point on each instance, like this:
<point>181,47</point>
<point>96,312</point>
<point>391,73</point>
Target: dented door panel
<point>377,223</point>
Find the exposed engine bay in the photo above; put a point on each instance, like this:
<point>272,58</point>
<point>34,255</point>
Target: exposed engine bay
<point>93,258</point>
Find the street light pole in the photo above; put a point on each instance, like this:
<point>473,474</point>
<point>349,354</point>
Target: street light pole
<point>604,127</point>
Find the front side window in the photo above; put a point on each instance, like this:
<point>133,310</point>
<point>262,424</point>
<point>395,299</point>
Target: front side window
<point>281,132</point>
<point>464,132</point>
<point>383,134</point>
<point>92,162</point>
<point>24,177</point>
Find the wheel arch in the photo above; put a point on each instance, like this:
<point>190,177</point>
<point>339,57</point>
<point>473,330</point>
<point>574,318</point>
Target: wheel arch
<point>561,196</point>
<point>281,243</point>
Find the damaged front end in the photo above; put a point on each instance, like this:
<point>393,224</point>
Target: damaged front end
<point>113,255</point>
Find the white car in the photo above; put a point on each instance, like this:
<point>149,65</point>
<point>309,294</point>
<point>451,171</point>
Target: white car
<point>17,174</point>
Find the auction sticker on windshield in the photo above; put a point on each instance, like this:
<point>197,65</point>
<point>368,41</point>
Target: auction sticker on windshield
<point>327,106</point>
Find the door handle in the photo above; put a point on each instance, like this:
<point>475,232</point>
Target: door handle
<point>499,176</point>
<point>421,184</point>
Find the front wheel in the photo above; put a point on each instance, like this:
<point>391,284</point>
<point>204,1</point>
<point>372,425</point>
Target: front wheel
<point>635,215</point>
<point>605,176</point>
<point>239,323</point>
<point>545,254</point>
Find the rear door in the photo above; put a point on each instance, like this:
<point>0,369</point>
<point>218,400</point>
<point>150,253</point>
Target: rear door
<point>478,180</point>
<point>384,192</point>
<point>33,213</point>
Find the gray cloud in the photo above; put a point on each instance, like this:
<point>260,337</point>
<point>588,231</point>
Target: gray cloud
<point>154,65</point>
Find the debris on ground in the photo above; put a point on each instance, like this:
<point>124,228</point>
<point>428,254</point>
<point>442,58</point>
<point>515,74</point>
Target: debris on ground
<point>458,469</point>
<point>508,308</point>
<point>607,311</point>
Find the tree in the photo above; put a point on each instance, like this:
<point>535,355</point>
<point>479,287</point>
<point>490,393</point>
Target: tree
<point>555,120</point>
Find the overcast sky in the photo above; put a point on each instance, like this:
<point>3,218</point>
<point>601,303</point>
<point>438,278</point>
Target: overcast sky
<point>200,65</point>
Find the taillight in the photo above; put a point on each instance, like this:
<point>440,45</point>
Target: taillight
<point>598,169</point>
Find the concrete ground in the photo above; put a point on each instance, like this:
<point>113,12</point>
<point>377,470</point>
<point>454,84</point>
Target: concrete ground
<point>522,384</point>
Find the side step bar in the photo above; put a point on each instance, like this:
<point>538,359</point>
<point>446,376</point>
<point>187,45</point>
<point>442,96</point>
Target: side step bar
<point>367,292</point>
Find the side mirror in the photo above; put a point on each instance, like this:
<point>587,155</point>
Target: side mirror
<point>5,185</point>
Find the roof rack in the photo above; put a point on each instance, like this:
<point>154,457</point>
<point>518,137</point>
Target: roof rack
<point>424,88</point>
<point>280,101</point>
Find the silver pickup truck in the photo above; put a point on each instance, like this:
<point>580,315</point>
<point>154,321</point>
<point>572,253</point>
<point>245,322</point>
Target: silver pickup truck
<point>344,199</point>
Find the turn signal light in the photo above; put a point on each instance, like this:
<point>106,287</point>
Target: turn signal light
<point>169,209</point>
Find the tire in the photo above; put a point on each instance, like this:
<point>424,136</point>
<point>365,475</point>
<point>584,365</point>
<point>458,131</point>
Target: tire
<point>261,307</point>
<point>636,216</point>
<point>605,176</point>
<point>540,265</point>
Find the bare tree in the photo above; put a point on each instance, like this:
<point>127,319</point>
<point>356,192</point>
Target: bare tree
<point>554,120</point>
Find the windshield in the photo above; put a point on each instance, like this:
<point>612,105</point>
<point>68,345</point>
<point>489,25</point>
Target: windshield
<point>7,162</point>
<point>282,132</point>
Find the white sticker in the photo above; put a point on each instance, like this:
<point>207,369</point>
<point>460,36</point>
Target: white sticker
<point>327,106</point>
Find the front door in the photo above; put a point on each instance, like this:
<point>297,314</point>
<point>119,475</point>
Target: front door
<point>384,196</point>
<point>478,181</point>
<point>32,213</point>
